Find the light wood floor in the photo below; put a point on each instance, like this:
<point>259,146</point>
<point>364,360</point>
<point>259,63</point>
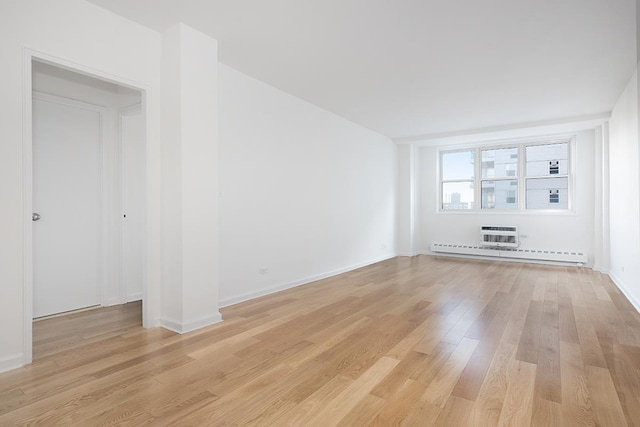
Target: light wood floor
<point>73,330</point>
<point>410,341</point>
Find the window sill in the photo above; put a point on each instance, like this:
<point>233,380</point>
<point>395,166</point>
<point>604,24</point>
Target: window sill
<point>505,212</point>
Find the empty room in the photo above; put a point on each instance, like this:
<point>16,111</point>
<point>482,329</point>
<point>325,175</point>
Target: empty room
<point>319,213</point>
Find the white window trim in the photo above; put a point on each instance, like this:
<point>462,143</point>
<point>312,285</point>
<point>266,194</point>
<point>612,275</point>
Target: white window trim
<point>521,144</point>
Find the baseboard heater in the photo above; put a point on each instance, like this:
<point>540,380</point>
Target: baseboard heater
<point>500,252</point>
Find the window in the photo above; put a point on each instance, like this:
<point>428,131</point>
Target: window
<point>547,180</point>
<point>458,171</point>
<point>498,188</point>
<point>526,176</point>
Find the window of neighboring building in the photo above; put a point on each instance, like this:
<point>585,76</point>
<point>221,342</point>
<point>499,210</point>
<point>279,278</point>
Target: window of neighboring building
<point>525,176</point>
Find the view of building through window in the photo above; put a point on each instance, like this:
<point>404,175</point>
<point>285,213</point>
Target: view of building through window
<point>458,174</point>
<point>547,182</point>
<point>520,176</point>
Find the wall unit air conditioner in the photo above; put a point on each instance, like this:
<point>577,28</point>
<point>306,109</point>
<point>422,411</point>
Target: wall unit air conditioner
<point>499,236</point>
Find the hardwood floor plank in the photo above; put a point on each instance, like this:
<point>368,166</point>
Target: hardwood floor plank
<point>308,408</point>
<point>546,413</point>
<point>421,414</point>
<point>490,400</point>
<point>473,375</point>
<point>589,344</point>
<point>626,379</point>
<point>606,405</point>
<point>445,324</point>
<point>528,346</point>
<point>338,408</point>
<point>517,408</point>
<point>363,413</point>
<point>445,380</point>
<point>576,398</point>
<point>567,321</point>
<point>397,408</point>
<point>408,341</point>
<point>413,363</point>
<point>456,413</point>
<point>548,379</point>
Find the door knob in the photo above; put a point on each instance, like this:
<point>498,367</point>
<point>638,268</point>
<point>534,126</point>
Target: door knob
<point>35,216</point>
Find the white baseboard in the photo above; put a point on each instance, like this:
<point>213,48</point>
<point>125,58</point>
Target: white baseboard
<point>137,296</point>
<point>600,269</point>
<point>488,258</point>
<point>262,292</point>
<point>11,362</point>
<point>408,254</point>
<point>186,327</point>
<point>111,302</point>
<point>625,291</point>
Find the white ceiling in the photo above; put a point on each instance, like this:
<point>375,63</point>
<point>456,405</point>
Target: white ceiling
<point>421,67</point>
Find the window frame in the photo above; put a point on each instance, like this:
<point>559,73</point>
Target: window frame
<point>521,176</point>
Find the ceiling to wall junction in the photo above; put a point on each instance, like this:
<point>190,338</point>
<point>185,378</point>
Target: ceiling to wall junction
<point>421,67</point>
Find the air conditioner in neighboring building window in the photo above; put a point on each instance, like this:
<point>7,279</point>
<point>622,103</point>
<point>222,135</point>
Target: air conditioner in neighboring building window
<point>499,236</point>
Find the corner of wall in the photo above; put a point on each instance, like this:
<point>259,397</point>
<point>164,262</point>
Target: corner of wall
<point>625,290</point>
<point>192,325</point>
<point>11,362</point>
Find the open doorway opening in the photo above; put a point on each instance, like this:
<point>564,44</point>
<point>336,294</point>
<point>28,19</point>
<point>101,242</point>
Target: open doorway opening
<point>88,199</point>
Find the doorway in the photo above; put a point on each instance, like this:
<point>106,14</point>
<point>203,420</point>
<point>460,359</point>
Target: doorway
<point>88,167</point>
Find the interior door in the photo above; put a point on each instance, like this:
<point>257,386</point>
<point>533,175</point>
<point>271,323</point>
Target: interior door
<point>67,195</point>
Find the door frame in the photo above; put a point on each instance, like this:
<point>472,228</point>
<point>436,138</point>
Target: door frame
<point>30,55</point>
<point>122,113</point>
<point>103,218</point>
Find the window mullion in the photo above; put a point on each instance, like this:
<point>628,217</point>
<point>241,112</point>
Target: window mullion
<point>522,163</point>
<point>478,180</point>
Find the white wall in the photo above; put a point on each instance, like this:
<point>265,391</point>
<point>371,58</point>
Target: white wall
<point>624,192</point>
<point>561,231</point>
<point>82,34</point>
<point>304,193</point>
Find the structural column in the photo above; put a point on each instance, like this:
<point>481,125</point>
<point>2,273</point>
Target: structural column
<point>407,200</point>
<point>190,208</point>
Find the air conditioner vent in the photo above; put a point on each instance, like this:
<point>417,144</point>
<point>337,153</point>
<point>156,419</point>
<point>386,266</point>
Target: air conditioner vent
<point>499,236</point>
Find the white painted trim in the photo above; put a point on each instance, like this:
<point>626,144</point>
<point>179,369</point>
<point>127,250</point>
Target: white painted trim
<point>623,289</point>
<point>150,296</point>
<point>122,112</point>
<point>606,214</point>
<point>170,324</point>
<point>499,259</point>
<point>112,301</point>
<point>57,99</point>
<point>183,328</point>
<point>256,294</point>
<point>27,197</point>
<point>408,254</point>
<point>11,362</point>
<point>136,296</point>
